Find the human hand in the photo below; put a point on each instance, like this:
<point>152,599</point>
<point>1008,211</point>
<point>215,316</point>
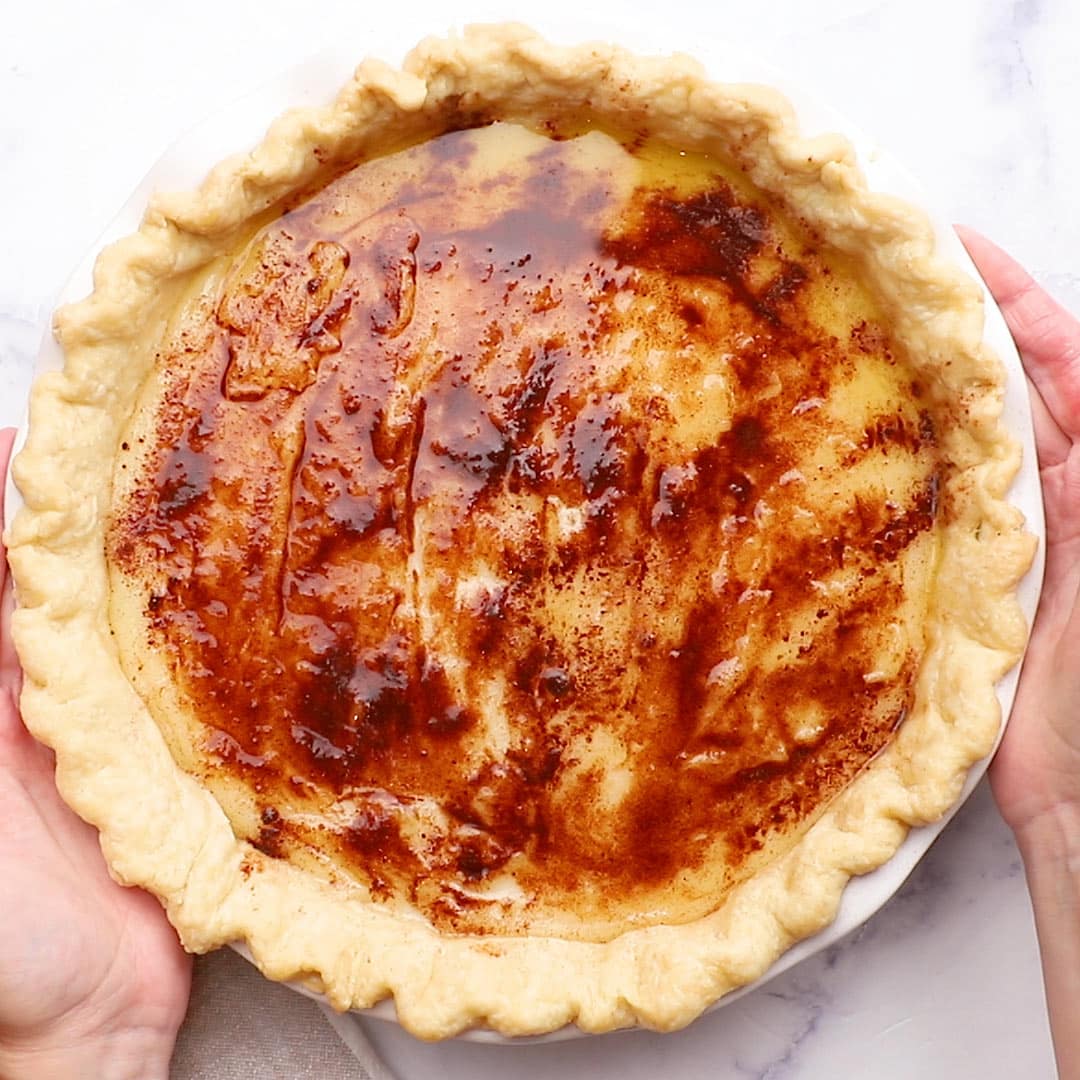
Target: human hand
<point>1037,770</point>
<point>93,982</point>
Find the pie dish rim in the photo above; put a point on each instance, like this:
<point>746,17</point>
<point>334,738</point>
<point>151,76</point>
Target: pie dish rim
<point>1033,514</point>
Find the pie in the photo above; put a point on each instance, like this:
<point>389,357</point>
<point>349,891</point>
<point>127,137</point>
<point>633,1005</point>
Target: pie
<point>519,540</point>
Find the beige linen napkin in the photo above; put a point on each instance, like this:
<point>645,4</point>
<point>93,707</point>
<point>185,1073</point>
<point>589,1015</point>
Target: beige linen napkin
<point>242,1027</point>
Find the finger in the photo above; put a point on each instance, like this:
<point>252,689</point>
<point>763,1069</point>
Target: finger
<point>23,759</point>
<point>7,437</point>
<point>1051,443</point>
<point>1069,647</point>
<point>1047,336</point>
<point>10,671</point>
<point>9,665</point>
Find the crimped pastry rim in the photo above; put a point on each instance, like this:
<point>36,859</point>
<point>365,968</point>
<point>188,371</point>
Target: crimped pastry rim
<point>435,1016</point>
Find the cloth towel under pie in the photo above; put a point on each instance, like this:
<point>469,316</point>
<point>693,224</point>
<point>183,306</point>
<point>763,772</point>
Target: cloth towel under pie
<point>242,1027</point>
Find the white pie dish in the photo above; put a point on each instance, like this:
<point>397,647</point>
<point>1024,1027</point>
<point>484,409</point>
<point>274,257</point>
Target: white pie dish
<point>233,127</point>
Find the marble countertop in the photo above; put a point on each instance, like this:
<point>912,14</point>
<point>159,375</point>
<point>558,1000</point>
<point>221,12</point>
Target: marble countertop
<point>976,96</point>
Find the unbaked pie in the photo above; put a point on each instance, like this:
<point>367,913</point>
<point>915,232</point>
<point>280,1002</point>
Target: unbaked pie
<point>519,540</point>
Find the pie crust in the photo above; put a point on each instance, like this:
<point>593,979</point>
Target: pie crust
<point>219,879</point>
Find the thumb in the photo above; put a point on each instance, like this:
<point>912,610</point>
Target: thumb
<point>9,665</point>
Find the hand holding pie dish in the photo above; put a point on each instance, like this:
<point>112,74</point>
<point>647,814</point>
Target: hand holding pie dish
<point>519,540</point>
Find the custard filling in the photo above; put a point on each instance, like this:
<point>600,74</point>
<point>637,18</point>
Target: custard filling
<point>532,528</point>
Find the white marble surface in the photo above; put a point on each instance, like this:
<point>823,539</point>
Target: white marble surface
<point>977,96</point>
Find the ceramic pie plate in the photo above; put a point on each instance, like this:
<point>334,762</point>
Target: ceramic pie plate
<point>316,81</point>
